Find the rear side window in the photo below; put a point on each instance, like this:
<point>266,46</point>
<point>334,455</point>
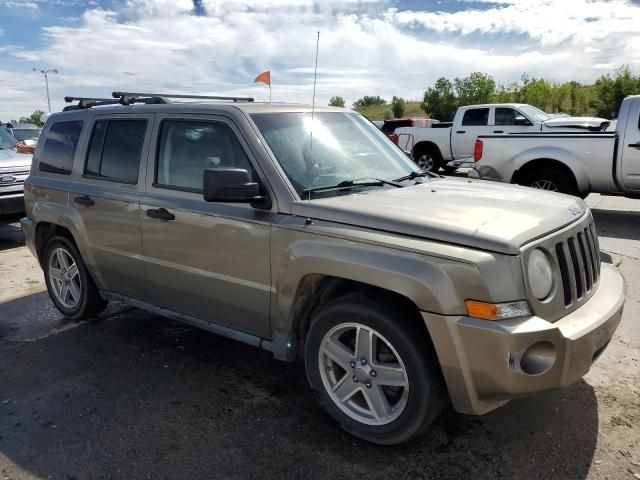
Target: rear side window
<point>115,149</point>
<point>476,117</point>
<point>187,148</point>
<point>60,147</point>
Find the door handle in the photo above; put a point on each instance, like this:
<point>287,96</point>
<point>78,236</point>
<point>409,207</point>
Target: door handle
<point>84,200</point>
<point>635,145</point>
<point>461,131</point>
<point>160,214</point>
<point>498,131</point>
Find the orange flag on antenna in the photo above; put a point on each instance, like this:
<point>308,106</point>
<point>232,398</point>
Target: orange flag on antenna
<point>264,77</point>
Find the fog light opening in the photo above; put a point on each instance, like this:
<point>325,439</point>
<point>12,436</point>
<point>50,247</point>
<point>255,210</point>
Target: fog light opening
<point>538,358</point>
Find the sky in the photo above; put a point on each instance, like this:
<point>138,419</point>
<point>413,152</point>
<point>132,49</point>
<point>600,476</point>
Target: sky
<point>367,47</point>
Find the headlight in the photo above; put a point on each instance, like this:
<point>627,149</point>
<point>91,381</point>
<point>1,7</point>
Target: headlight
<point>540,274</point>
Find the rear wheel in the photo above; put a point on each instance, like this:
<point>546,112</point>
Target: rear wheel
<point>551,179</point>
<point>427,158</point>
<point>371,371</point>
<point>70,286</point>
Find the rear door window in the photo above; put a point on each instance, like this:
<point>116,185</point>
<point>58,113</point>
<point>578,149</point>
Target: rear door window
<point>476,117</point>
<point>115,150</point>
<point>60,147</point>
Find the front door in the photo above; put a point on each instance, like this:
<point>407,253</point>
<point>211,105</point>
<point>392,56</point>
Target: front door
<point>630,147</point>
<point>507,120</point>
<point>475,122</point>
<point>205,260</point>
<point>107,193</point>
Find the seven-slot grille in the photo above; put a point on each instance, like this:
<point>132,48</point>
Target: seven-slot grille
<point>579,262</point>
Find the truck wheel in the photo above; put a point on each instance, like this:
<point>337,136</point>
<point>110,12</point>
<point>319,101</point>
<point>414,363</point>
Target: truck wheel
<point>427,158</point>
<point>376,376</point>
<point>551,179</point>
<point>70,286</point>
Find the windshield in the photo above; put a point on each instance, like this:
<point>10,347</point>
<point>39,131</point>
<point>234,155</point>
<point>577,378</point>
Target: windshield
<point>26,133</point>
<point>6,139</point>
<point>345,147</point>
<point>534,113</point>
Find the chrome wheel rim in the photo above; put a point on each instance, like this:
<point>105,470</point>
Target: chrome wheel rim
<point>363,374</point>
<point>426,162</point>
<point>545,185</point>
<point>64,278</point>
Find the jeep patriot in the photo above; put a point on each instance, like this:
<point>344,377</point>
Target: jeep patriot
<point>308,233</point>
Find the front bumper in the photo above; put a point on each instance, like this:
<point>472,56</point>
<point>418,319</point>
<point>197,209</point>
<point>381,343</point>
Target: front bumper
<point>484,363</point>
<point>12,203</point>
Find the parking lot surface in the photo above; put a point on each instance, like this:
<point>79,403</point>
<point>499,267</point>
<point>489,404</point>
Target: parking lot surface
<point>133,395</point>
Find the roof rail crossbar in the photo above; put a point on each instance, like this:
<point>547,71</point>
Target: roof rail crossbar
<point>87,102</point>
<point>125,97</point>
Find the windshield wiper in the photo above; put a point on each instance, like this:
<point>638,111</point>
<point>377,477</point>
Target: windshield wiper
<point>356,182</point>
<point>417,173</point>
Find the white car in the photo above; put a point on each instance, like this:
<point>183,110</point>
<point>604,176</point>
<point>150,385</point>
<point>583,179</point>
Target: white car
<point>570,162</point>
<point>434,147</point>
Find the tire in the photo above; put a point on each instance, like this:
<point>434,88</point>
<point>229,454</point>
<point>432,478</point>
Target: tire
<point>403,355</point>
<point>428,158</point>
<point>551,179</point>
<point>71,289</point>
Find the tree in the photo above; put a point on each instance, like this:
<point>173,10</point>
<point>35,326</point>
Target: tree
<point>398,105</point>
<point>368,101</point>
<point>610,91</point>
<point>440,100</point>
<point>33,118</point>
<point>336,102</point>
<point>476,88</point>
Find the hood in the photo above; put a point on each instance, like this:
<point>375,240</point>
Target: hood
<point>475,213</point>
<point>588,123</point>
<point>11,158</point>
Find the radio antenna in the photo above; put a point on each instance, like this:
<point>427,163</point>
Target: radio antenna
<point>313,108</point>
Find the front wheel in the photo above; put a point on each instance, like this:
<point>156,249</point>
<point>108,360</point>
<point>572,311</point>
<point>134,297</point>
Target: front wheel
<point>372,370</point>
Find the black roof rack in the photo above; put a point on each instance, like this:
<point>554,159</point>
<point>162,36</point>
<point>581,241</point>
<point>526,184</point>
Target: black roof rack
<point>88,102</point>
<point>127,97</point>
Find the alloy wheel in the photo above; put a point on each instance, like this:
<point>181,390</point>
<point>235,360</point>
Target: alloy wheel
<point>64,278</point>
<point>545,185</point>
<point>363,374</point>
<point>426,162</point>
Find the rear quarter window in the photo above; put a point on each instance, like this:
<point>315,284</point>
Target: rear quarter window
<point>60,147</point>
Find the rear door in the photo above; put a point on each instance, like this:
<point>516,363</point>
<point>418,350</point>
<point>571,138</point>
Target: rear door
<point>630,168</point>
<point>107,196</point>
<point>207,260</point>
<point>475,122</point>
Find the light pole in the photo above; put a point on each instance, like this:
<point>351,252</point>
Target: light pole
<point>46,81</point>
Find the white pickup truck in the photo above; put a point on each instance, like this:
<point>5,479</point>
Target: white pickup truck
<point>573,163</point>
<point>432,148</point>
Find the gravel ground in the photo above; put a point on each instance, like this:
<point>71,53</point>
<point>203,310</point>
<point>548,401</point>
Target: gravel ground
<point>131,395</point>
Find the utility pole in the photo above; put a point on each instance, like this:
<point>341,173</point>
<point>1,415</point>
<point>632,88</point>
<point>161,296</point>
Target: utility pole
<point>46,81</point>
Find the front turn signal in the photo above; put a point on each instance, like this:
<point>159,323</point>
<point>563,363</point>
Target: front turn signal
<point>497,311</point>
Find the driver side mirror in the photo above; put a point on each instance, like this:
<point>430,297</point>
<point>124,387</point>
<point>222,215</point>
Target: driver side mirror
<point>522,122</point>
<point>232,185</point>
